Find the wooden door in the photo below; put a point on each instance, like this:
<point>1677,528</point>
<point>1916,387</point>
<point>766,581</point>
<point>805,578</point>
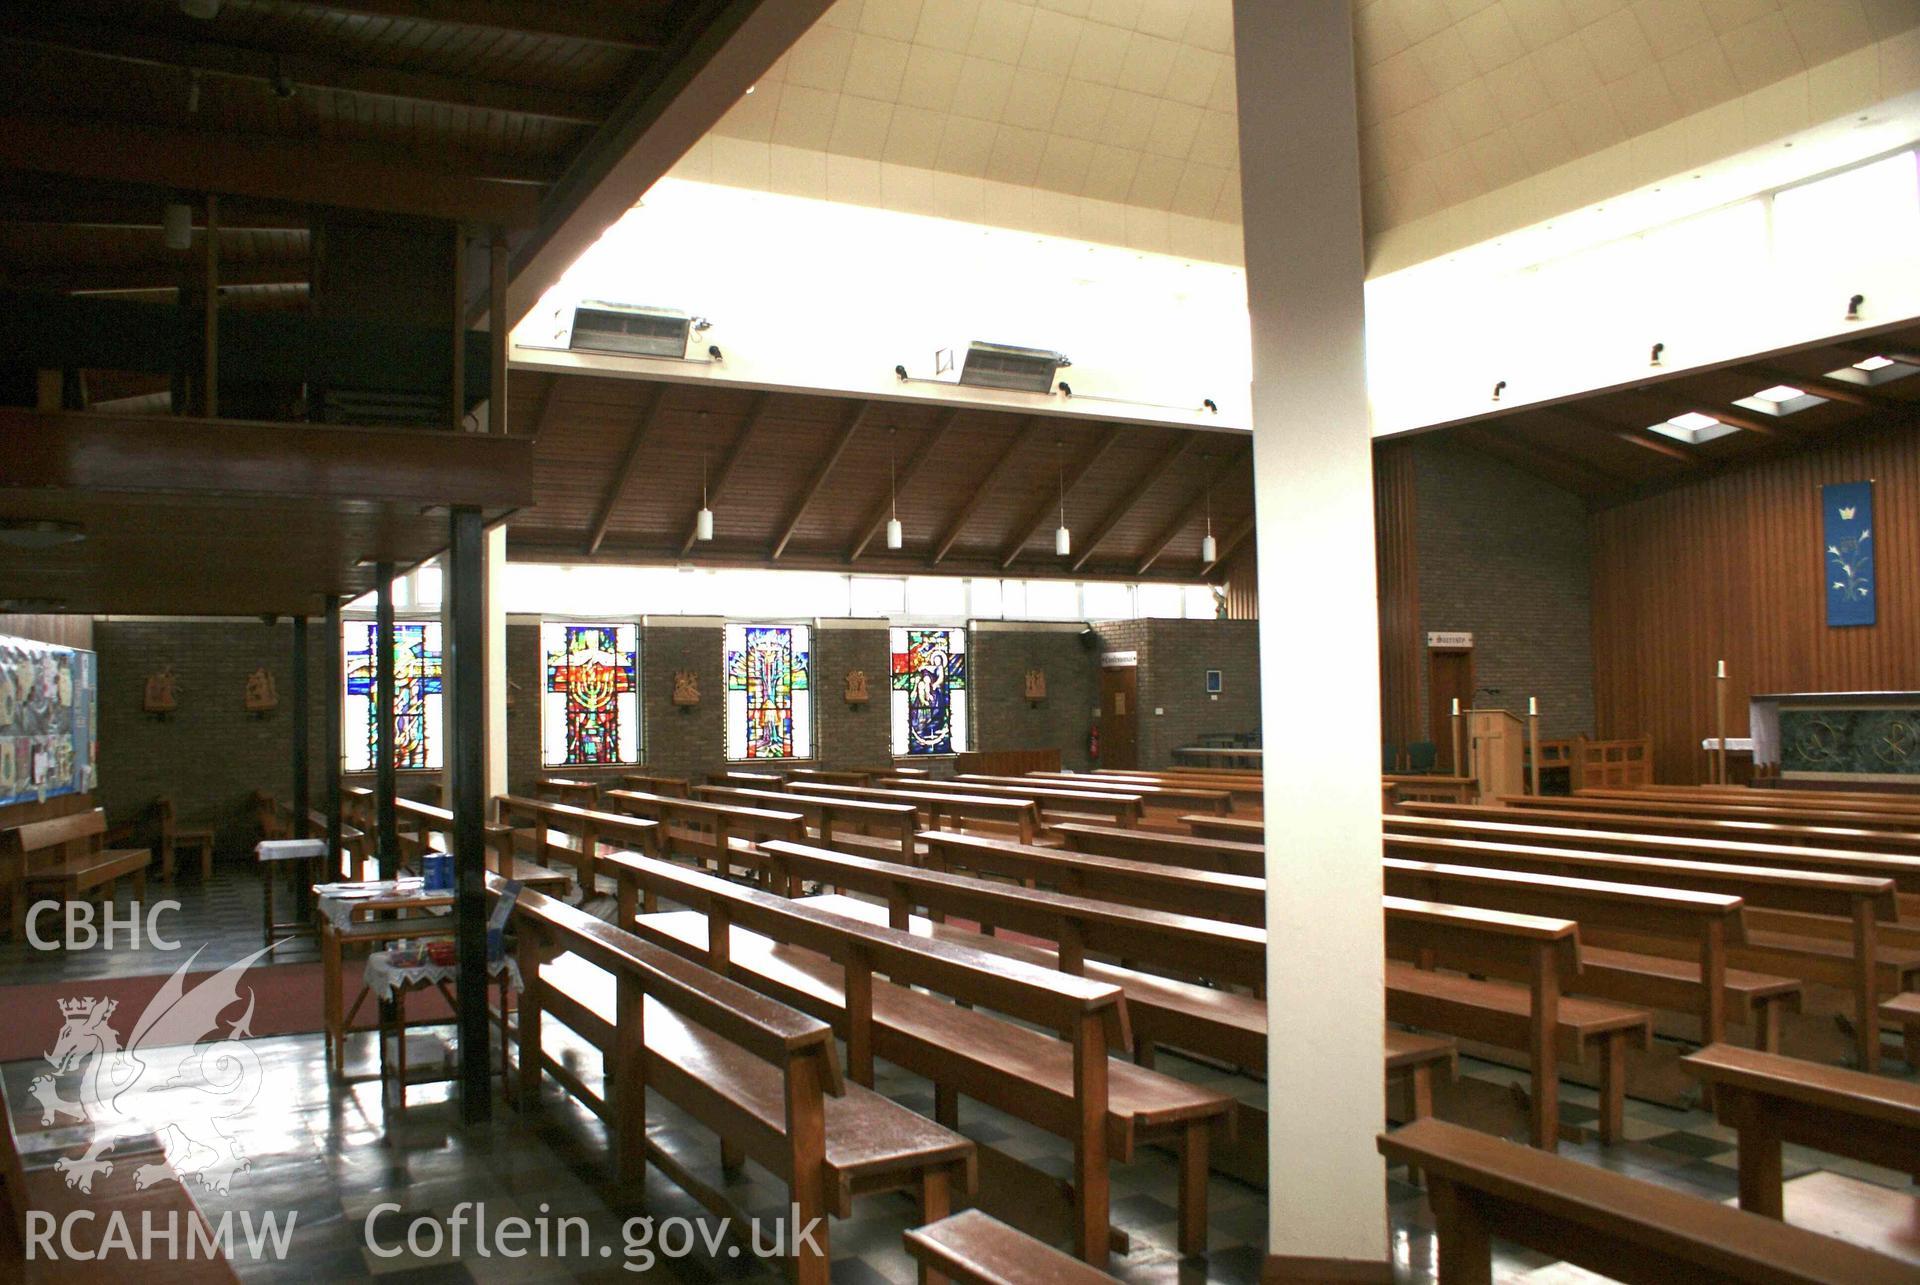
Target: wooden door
<point>1449,678</point>
<point>1119,718</point>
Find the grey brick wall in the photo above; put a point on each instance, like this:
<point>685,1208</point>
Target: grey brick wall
<point>1174,657</point>
<point>1003,717</point>
<point>1506,555</point>
<point>851,736</point>
<point>209,755</point>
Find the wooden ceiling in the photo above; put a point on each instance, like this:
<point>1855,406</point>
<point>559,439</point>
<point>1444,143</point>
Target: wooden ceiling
<point>801,481</point>
<point>1598,445</point>
<point>463,110</point>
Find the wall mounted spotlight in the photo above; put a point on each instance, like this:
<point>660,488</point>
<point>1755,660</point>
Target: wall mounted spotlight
<point>1211,405</point>
<point>900,373</point>
<point>1853,307</point>
<point>1499,388</point>
<point>1066,389</point>
<point>713,351</point>
<point>1653,358</point>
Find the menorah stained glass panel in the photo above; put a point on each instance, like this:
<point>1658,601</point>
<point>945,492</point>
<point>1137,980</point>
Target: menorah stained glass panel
<point>590,702</point>
<point>416,695</point>
<point>929,681</point>
<point>769,692</point>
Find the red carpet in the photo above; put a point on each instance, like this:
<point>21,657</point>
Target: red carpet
<point>286,1001</point>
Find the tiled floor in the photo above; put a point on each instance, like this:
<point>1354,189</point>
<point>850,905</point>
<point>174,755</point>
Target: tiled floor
<point>330,1154</point>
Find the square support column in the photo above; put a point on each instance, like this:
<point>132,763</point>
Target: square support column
<point>466,766</point>
<point>387,853</point>
<point>1313,491</point>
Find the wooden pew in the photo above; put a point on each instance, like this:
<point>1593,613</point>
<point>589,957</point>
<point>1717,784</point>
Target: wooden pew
<point>1535,1015</point>
<point>1769,1100</point>
<point>1771,833</point>
<point>764,1076</point>
<point>582,831</point>
<point>1496,1012</point>
<point>424,828</point>
<point>1237,829</point>
<point>1632,1230</point>
<point>1632,803</point>
<point>158,1198</point>
<point>66,857</point>
<point>1058,1078</point>
<point>674,786</point>
<point>826,777</point>
<point>975,1248</point>
<point>1124,810</point>
<point>1022,814</point>
<point>1902,1013</point>
<point>1204,792</point>
<point>748,780</point>
<point>723,833</point>
<point>1710,924</point>
<point>1413,787</point>
<point>582,794</point>
<point>1154,794</point>
<point>899,820</point>
<point>1856,961</point>
<point>1508,827</point>
<point>1188,851</point>
<point>1845,800</point>
<point>1165,1012</point>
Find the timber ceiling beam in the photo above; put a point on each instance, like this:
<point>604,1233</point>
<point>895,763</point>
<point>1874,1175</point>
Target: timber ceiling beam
<point>156,274</point>
<point>616,24</point>
<point>1105,439</point>
<point>1673,450</point>
<point>735,456</point>
<point>877,519</point>
<point>672,105</point>
<point>96,451</point>
<point>269,69</point>
<point>1117,514</point>
<point>643,427</point>
<point>1195,508</point>
<point>818,481</point>
<point>306,171</point>
<point>1001,466</point>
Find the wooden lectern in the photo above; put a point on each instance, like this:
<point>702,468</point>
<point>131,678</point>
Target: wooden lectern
<point>1496,752</point>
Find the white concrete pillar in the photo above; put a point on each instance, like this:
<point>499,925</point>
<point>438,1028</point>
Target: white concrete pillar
<point>1319,639</point>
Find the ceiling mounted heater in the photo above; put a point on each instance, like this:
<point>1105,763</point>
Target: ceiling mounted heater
<point>631,329</point>
<point>1020,370</point>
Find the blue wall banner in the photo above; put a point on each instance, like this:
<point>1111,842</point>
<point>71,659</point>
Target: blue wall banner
<point>1846,513</point>
<point>47,721</point>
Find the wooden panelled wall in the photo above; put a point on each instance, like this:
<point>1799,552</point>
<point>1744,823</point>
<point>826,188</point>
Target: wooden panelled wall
<point>1243,584</point>
<point>1730,568</point>
<point>1396,558</point>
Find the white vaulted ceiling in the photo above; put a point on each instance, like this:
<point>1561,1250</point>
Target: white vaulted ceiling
<point>1131,102</point>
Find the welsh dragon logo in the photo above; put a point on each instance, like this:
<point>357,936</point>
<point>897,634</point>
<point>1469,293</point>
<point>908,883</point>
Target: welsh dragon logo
<point>176,1075</point>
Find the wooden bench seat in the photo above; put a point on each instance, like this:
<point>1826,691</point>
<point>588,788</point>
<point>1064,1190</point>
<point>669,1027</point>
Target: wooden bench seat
<point>1238,829</point>
<point>975,1248</point>
<point>1049,1066</point>
<point>1902,1013</point>
<point>1851,907</point>
<point>1769,1100</point>
<point>1194,852</point>
<point>872,1142</point>
<point>707,830</point>
<point>1020,814</point>
<point>1159,795</point>
<point>1169,1013</point>
<point>895,821</point>
<point>66,857</point>
<point>764,1077</point>
<point>1632,1230</point>
<point>1108,807</point>
<point>574,836</point>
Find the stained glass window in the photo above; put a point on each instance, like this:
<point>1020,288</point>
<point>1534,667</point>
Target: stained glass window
<point>590,704</point>
<point>929,681</point>
<point>416,695</point>
<point>769,692</point>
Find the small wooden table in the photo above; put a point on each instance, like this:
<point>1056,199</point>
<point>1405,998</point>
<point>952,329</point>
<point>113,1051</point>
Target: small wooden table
<point>392,982</point>
<point>389,913</point>
<point>270,853</point>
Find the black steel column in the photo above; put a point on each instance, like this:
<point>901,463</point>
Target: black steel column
<point>467,763</point>
<point>387,854</point>
<point>335,715</point>
<point>302,800</point>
